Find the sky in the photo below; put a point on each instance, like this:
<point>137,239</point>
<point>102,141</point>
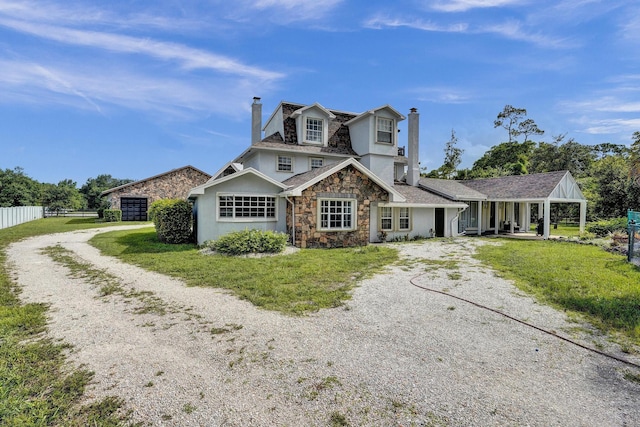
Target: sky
<point>136,88</point>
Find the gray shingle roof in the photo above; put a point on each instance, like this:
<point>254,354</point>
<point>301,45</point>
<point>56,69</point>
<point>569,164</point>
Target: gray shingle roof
<point>534,186</point>
<point>301,178</point>
<point>416,195</point>
<point>454,190</point>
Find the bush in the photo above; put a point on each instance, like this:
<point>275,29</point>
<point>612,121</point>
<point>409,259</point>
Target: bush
<point>173,219</point>
<point>606,227</point>
<point>251,241</point>
<point>112,215</point>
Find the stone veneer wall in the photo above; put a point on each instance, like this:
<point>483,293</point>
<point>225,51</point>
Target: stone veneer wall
<point>172,185</point>
<point>346,181</point>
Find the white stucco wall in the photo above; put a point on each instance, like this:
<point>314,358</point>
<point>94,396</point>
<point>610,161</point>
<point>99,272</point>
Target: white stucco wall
<point>209,228</point>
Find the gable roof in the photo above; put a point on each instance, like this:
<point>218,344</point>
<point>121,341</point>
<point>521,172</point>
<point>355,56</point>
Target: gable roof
<point>302,181</point>
<point>328,113</point>
<point>227,169</point>
<point>111,190</point>
<point>374,111</point>
<point>200,189</point>
<point>534,186</point>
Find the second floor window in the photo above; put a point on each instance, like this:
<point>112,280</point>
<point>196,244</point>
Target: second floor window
<point>314,130</point>
<point>385,130</point>
<point>285,164</point>
<point>316,162</point>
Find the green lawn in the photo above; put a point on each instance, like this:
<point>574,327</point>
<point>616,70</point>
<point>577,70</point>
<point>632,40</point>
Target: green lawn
<point>36,388</point>
<point>580,278</point>
<point>564,230</point>
<point>308,280</point>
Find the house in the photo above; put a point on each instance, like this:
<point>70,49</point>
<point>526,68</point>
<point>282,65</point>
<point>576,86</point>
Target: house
<point>135,198</point>
<point>326,177</point>
<point>330,178</point>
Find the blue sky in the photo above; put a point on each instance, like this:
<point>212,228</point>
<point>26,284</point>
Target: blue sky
<point>136,88</point>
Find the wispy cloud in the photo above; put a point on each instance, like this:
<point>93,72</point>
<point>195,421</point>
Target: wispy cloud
<point>464,5</point>
<point>512,30</point>
<point>282,11</point>
<point>442,95</point>
<point>100,88</point>
<point>381,21</point>
<point>189,58</point>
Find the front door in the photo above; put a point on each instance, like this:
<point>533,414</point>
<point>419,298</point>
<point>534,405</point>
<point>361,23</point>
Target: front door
<point>439,222</point>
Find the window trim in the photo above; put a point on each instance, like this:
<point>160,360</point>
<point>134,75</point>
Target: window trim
<point>400,217</point>
<point>391,133</point>
<point>383,217</point>
<point>233,207</point>
<point>321,130</point>
<point>291,161</point>
<point>354,214</point>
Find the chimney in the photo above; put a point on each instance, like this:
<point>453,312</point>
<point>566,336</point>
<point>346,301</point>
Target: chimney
<point>413,172</point>
<point>256,120</point>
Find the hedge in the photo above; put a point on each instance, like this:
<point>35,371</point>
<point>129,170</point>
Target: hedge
<point>112,215</point>
<point>250,241</point>
<point>173,220</point>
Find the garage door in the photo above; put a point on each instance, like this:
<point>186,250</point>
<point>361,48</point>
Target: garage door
<point>133,208</point>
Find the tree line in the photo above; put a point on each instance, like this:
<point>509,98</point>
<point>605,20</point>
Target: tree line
<point>608,174</point>
<point>18,189</point>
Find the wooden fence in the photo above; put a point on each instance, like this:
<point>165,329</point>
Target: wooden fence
<point>19,214</point>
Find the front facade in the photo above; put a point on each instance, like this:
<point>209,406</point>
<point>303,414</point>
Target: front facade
<point>134,198</point>
<point>330,178</point>
<point>327,178</point>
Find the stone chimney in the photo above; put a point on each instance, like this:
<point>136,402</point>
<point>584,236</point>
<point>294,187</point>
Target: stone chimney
<point>256,120</point>
<point>413,145</point>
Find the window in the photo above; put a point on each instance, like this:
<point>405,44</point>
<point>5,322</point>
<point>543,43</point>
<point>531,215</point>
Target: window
<point>314,130</point>
<point>285,164</point>
<point>316,162</point>
<point>404,222</point>
<point>337,214</point>
<point>385,130</point>
<point>469,217</point>
<point>247,207</point>
<point>395,219</point>
<point>386,218</point>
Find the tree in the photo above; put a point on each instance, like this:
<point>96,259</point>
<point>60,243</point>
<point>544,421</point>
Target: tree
<point>65,195</point>
<point>512,119</point>
<point>634,159</point>
<point>559,155</point>
<point>507,158</point>
<point>611,178</point>
<point>92,189</point>
<point>452,156</point>
<point>17,189</point>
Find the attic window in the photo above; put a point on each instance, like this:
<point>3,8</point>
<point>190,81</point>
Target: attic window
<point>385,130</point>
<point>314,130</point>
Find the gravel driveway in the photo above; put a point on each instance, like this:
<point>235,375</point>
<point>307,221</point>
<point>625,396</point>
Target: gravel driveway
<point>395,355</point>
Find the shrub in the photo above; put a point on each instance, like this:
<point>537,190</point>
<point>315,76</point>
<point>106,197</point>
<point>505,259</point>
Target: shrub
<point>251,241</point>
<point>112,215</point>
<point>606,227</point>
<point>173,220</point>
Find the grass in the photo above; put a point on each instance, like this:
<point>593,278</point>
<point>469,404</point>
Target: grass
<point>579,278</point>
<point>37,387</point>
<point>565,230</point>
<point>306,281</point>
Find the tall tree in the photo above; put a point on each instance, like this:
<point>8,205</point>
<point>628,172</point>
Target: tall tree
<point>634,158</point>
<point>528,127</point>
<point>452,158</point>
<point>17,189</point>
<point>509,118</point>
<point>559,155</point>
<point>507,158</point>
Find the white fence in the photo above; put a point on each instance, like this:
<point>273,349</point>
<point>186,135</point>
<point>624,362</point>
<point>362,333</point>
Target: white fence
<point>19,214</point>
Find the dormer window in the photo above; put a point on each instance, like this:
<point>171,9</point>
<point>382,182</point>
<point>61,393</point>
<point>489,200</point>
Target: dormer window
<point>384,129</point>
<point>314,130</point>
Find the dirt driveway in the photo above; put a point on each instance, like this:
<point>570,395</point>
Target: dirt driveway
<point>395,355</point>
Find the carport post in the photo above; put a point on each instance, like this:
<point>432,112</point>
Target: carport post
<point>495,215</point>
<point>547,219</point>
<point>583,215</point>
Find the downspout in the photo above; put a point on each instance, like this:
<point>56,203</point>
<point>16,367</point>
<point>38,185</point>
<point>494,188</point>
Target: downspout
<point>460,210</point>
<point>293,220</point>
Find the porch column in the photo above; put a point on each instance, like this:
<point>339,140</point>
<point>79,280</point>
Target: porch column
<point>497,219</point>
<point>480,218</point>
<point>526,224</point>
<point>583,215</point>
<point>512,217</point>
<point>547,218</point>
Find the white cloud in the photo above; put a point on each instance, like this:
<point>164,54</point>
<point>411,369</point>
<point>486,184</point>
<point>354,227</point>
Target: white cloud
<point>283,11</point>
<point>464,5</point>
<point>380,21</point>
<point>99,88</point>
<point>188,57</point>
<point>441,95</point>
